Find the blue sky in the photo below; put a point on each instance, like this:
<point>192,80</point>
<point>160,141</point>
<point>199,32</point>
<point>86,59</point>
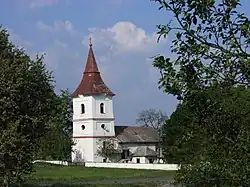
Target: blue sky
<point>124,39</point>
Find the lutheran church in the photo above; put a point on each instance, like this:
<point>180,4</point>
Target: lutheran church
<point>94,120</point>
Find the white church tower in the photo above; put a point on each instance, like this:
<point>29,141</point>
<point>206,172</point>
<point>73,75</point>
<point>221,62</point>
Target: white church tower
<point>93,116</point>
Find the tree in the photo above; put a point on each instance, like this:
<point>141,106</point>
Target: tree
<point>172,134</point>
<point>211,45</point>
<point>213,135</point>
<point>211,48</point>
<point>152,118</point>
<point>26,101</point>
<point>108,150</point>
<point>57,143</point>
<point>155,119</point>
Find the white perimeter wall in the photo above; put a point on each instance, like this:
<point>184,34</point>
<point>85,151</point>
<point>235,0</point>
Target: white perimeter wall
<point>170,167</point>
<point>64,163</point>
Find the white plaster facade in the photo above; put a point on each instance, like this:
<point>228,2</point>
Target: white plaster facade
<point>90,125</point>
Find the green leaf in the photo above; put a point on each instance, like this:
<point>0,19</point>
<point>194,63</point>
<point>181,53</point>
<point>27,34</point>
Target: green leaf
<point>178,35</point>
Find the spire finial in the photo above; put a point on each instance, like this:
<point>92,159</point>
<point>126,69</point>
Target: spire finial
<point>90,41</point>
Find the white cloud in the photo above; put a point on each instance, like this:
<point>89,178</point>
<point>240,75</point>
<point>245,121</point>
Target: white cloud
<point>122,52</point>
<point>41,3</point>
<point>129,37</point>
<point>124,37</point>
<point>59,25</point>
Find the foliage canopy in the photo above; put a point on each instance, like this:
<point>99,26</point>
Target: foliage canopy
<point>210,75</point>
<point>32,114</point>
<point>211,45</point>
<point>26,101</point>
<point>211,132</point>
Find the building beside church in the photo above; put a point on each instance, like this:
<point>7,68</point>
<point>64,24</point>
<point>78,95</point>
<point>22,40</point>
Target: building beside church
<point>93,120</point>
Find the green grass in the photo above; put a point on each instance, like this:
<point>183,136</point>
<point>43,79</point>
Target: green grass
<point>101,185</point>
<point>130,185</point>
<point>76,174</point>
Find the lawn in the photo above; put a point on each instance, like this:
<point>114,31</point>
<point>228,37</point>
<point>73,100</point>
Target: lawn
<point>51,174</point>
<point>100,185</point>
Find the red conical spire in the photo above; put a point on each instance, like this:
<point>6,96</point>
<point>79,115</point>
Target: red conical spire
<point>91,66</point>
<point>91,83</point>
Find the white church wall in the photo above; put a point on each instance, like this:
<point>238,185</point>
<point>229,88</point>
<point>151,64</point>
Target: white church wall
<point>88,139</point>
<point>87,128</point>
<point>83,150</point>
<point>91,125</point>
<point>104,128</point>
<point>86,150</point>
<point>80,130</point>
<point>87,101</point>
<point>92,107</point>
<point>170,167</point>
<point>108,107</point>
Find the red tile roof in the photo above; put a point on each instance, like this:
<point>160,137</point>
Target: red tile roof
<point>92,83</point>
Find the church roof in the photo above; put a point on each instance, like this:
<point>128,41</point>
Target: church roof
<point>91,82</point>
<point>144,151</point>
<point>136,134</point>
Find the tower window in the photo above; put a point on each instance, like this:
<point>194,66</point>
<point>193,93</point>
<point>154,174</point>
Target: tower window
<point>82,108</point>
<point>102,126</point>
<point>102,108</point>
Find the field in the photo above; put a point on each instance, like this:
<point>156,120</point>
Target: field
<point>52,174</point>
<point>99,185</point>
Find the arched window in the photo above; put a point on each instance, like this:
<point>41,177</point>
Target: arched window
<point>102,108</point>
<point>82,108</point>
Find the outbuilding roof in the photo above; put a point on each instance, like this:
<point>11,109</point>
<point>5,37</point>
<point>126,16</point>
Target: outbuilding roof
<point>144,151</point>
<point>136,134</point>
